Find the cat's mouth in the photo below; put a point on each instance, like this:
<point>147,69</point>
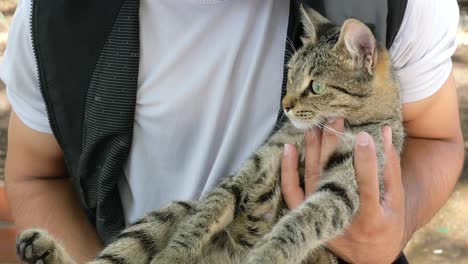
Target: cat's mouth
<point>319,121</point>
<point>301,124</point>
<point>304,124</point>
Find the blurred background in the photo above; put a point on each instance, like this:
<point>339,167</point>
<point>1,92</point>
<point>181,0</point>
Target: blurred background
<point>443,240</point>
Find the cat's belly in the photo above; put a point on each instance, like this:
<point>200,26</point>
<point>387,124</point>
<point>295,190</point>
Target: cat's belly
<point>256,219</point>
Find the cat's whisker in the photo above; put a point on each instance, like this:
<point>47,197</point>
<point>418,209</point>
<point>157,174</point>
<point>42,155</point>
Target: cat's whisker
<point>321,124</point>
<point>289,41</point>
<point>329,129</point>
<point>288,55</point>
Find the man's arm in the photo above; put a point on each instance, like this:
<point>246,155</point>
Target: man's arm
<point>40,195</point>
<point>433,155</point>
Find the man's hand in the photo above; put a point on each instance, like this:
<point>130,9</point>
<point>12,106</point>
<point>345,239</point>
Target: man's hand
<point>379,225</point>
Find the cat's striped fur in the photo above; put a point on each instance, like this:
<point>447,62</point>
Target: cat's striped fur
<point>245,219</point>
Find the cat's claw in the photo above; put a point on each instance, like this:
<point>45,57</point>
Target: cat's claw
<point>35,247</point>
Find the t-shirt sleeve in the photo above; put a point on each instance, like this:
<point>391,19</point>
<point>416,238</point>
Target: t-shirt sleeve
<point>422,50</point>
<point>18,72</point>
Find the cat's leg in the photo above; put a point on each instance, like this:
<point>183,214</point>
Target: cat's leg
<point>140,242</point>
<point>321,255</point>
<point>35,246</point>
<point>323,216</point>
<point>214,213</point>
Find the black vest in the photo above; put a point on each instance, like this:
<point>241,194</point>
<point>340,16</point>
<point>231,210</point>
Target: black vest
<point>87,55</point>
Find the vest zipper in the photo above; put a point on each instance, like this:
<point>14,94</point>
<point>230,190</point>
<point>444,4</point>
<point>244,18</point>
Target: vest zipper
<point>50,114</point>
<point>41,76</point>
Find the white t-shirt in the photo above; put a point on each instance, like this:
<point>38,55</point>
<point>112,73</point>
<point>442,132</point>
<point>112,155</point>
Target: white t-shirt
<point>208,100</point>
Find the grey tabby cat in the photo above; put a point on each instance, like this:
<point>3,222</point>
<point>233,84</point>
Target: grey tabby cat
<point>338,72</point>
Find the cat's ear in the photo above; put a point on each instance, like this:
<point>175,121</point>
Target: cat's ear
<point>357,39</point>
<point>311,19</point>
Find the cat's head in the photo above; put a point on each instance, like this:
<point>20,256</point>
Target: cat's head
<point>339,71</point>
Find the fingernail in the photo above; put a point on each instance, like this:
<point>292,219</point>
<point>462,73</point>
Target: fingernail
<point>363,139</point>
<point>310,134</point>
<point>287,150</point>
<point>331,120</point>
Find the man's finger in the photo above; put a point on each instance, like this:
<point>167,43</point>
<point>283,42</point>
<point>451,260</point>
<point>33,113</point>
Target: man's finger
<point>365,164</point>
<point>312,160</point>
<point>330,138</point>
<point>290,185</point>
<point>394,195</point>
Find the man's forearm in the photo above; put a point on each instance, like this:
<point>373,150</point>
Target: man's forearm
<point>51,204</point>
<point>430,170</point>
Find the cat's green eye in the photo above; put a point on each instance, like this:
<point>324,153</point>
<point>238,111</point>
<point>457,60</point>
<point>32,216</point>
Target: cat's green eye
<point>317,87</point>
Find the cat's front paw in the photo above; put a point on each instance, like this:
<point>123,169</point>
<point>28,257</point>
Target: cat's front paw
<point>35,246</point>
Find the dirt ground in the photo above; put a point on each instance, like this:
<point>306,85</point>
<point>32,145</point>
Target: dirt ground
<point>443,240</point>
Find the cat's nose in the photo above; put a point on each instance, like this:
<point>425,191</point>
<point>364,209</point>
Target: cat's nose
<point>288,103</point>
